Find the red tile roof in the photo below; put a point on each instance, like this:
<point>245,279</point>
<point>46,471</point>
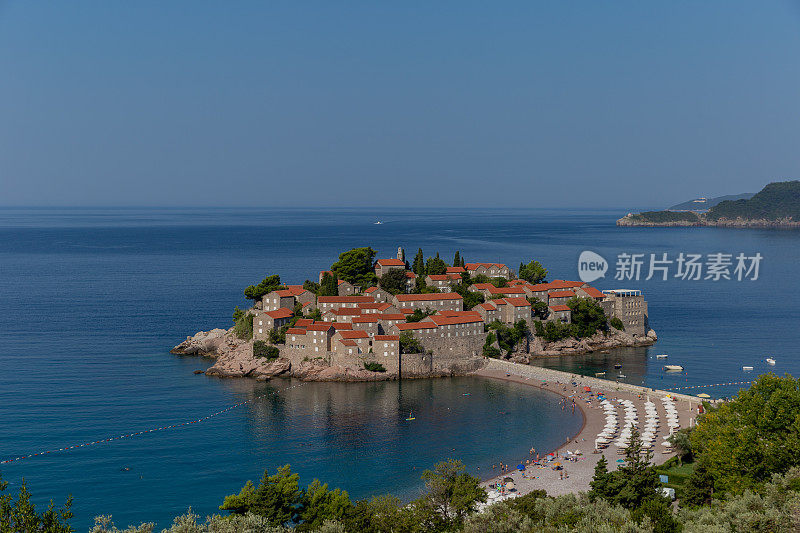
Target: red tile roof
<point>473,266</point>
<point>342,325</point>
<point>561,294</point>
<point>366,319</point>
<point>296,331</point>
<point>483,286</point>
<point>318,327</point>
<point>374,305</point>
<point>370,290</point>
<point>438,277</point>
<point>471,314</point>
<point>303,322</point>
<point>281,312</point>
<point>348,342</point>
<point>407,311</point>
<point>405,326</point>
<point>410,275</point>
<point>355,334</point>
<point>440,320</point>
<point>344,311</point>
<point>506,290</point>
<point>428,297</point>
<point>392,316</point>
<point>489,306</point>
<point>560,307</point>
<point>455,270</point>
<point>518,302</point>
<point>284,293</point>
<point>387,337</point>
<point>344,299</point>
<point>592,292</point>
<point>391,262</point>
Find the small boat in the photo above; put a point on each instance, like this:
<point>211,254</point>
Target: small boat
<point>598,374</point>
<point>770,361</point>
<point>662,356</point>
<point>411,416</point>
<point>622,376</point>
<point>747,368</point>
<point>618,365</point>
<point>379,222</point>
<point>673,368</point>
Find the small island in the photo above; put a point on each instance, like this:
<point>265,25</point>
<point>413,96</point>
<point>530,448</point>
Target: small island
<point>777,205</point>
<point>367,319</point>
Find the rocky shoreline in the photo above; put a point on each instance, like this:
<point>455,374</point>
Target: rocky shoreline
<point>631,220</point>
<point>234,356</point>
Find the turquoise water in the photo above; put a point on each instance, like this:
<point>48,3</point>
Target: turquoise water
<point>92,300</point>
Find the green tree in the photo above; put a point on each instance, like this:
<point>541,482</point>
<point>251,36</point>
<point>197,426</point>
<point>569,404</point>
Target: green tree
<point>409,344</point>
<point>243,328</point>
<point>471,299</point>
<point>356,266</point>
<point>419,314</point>
<point>329,286</point>
<point>539,308</point>
<point>587,316</point>
<point>237,314</point>
<point>318,505</point>
<point>374,366</point>
<point>457,259</point>
<point>262,349</point>
<point>601,480</point>
<point>394,281</point>
<point>499,281</point>
<point>451,493</point>
<point>533,272</point>
<point>418,266</point>
<point>267,285</point>
<point>278,498</point>
<point>311,286</point>
<point>20,515</point>
<point>616,323</point>
<point>743,442</point>
<point>435,265</point>
<point>699,488</point>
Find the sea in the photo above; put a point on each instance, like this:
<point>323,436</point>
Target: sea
<point>91,301</point>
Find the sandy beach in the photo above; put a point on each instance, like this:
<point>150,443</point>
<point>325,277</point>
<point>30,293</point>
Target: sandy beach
<point>579,471</point>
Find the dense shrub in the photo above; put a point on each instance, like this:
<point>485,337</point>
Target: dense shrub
<point>616,323</point>
<point>262,349</point>
<point>374,366</point>
<point>243,328</point>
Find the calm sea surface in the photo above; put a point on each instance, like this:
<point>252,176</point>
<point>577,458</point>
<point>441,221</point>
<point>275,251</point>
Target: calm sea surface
<point>92,300</point>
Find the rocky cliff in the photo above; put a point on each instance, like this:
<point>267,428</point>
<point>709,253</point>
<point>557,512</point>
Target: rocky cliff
<point>571,346</point>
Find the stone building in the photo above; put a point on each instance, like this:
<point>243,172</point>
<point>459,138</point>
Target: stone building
<point>442,281</point>
<point>559,297</point>
<point>443,301</point>
<point>382,266</point>
<point>277,299</point>
<point>560,313</point>
<point>378,294</point>
<point>488,312</point>
<point>512,310</point>
<point>335,302</point>
<point>492,270</point>
<point>266,321</point>
<point>630,307</point>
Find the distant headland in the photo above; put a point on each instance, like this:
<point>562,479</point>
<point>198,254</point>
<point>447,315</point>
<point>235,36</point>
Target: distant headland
<point>367,319</point>
<point>777,205</point>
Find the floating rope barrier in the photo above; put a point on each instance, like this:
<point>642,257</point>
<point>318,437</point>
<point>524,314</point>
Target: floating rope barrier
<point>146,431</point>
<point>711,385</point>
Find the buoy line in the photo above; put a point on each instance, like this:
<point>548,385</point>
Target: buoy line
<point>711,385</point>
<point>146,431</point>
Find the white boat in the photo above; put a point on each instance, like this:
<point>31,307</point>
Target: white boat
<point>747,368</point>
<point>662,356</point>
<point>673,368</point>
<point>379,222</point>
<point>770,361</point>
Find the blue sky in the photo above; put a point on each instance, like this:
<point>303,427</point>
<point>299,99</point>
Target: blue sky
<point>540,104</point>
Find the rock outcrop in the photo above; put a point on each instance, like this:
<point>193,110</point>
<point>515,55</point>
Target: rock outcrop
<point>321,371</point>
<point>600,341</point>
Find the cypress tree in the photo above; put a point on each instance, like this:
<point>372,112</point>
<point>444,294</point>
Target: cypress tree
<point>419,264</point>
<point>457,259</point>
